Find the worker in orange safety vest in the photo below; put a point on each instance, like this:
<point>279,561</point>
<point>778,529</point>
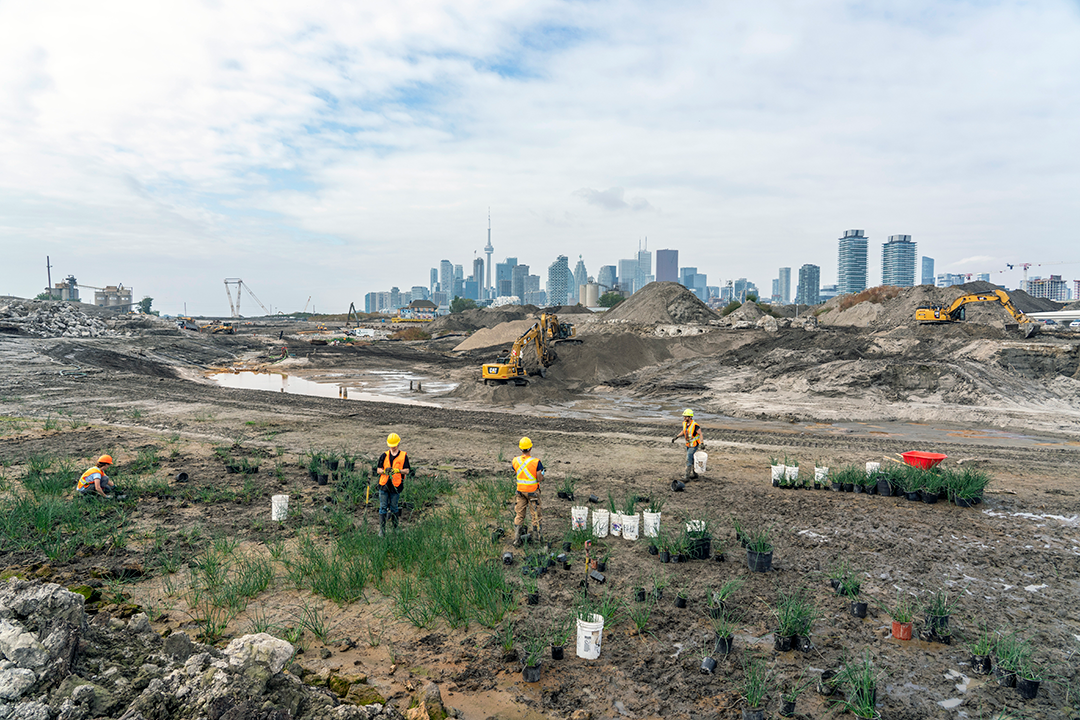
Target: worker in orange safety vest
<point>530,472</point>
<point>393,466</point>
<point>95,482</point>
<point>691,433</point>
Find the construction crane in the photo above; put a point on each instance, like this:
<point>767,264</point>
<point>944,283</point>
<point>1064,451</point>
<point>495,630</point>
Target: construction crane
<point>235,308</point>
<point>306,304</point>
<point>352,316</point>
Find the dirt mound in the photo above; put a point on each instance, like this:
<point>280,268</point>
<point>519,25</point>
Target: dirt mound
<point>1072,306</point>
<point>662,303</point>
<point>899,311</point>
<point>502,334</point>
<point>478,318</point>
<point>748,311</point>
<point>569,310</point>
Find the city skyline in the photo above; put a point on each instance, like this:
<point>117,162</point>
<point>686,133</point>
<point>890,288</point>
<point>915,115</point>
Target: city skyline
<point>308,148</point>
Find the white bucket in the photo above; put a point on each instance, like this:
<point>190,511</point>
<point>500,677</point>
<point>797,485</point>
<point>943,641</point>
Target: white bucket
<point>600,523</point>
<point>615,524</point>
<point>579,515</point>
<point>630,526</point>
<point>651,522</point>
<point>279,507</point>
<point>700,458</point>
<point>872,467</point>
<point>777,473</point>
<point>821,474</point>
<point>589,636</point>
<point>791,472</point>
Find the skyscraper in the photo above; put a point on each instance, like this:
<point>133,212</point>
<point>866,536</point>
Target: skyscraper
<point>607,278</point>
<point>478,276</point>
<point>503,276</point>
<point>785,285</point>
<point>559,279</point>
<point>446,276</point>
<point>627,274</point>
<point>434,280</point>
<point>927,270</point>
<point>517,281</point>
<point>459,281</point>
<point>644,270</point>
<point>581,276</point>
<point>809,284</point>
<point>898,261</point>
<point>667,266</point>
<point>852,262</point>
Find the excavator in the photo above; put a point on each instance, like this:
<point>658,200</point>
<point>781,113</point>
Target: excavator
<point>954,312</point>
<point>543,335</point>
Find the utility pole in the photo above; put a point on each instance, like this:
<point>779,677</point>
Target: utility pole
<point>48,271</point>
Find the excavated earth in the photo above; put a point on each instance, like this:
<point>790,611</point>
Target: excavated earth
<point>818,392</point>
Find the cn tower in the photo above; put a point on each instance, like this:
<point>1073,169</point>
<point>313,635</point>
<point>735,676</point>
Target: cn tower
<point>489,250</point>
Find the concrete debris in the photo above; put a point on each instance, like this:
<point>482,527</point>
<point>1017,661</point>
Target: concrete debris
<point>52,319</point>
<point>58,666</point>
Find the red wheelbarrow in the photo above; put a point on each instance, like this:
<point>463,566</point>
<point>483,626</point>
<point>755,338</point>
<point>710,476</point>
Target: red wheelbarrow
<point>922,460</point>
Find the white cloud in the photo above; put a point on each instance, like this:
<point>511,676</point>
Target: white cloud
<point>310,147</point>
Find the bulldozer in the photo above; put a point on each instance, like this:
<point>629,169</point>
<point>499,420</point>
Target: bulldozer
<point>543,335</point>
<point>219,328</point>
<point>954,312</point>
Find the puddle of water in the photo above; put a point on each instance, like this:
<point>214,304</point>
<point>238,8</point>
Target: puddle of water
<point>294,385</point>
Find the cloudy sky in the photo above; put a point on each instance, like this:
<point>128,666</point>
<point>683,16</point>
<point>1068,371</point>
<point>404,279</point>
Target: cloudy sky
<point>330,149</point>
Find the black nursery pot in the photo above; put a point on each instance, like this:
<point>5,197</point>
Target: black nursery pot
<point>884,488</point>
<point>913,496</point>
<point>323,479</point>
<point>556,652</point>
<point>964,502</point>
<point>849,487</point>
<point>1005,678</point>
<point>937,623</point>
<point>566,546</point>
<point>1028,689</point>
<point>759,562</point>
<point>653,550</point>
<point>825,684</point>
<point>601,566</point>
<point>981,664</point>
<point>314,475</point>
<point>532,599</point>
<point>665,556</point>
<point>531,673</point>
<point>680,602</point>
<point>859,489</point>
<point>835,583</point>
<point>677,486</point>
<point>781,643</point>
<point>724,645</point>
<point>332,465</point>
<point>707,666</point>
<point>858,609</point>
<point>929,497</point>
<point>787,709</point>
<point>639,594</point>
<point>837,487</point>
<point>715,611</point>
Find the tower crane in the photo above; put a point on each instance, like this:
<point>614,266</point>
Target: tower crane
<point>306,304</point>
<point>235,308</point>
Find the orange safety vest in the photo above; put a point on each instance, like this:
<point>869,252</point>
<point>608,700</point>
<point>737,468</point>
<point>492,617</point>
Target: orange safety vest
<point>693,433</point>
<point>398,464</point>
<point>86,481</point>
<point>526,468</point>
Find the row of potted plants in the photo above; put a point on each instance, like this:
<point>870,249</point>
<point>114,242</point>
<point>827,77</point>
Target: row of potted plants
<point>963,486</point>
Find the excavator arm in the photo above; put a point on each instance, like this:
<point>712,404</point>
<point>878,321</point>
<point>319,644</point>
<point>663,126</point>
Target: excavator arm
<point>954,312</point>
<point>542,335</point>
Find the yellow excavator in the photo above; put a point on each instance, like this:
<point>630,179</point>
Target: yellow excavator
<point>954,312</point>
<point>543,335</point>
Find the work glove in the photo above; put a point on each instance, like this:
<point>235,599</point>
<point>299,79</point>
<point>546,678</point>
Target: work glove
<point>673,440</point>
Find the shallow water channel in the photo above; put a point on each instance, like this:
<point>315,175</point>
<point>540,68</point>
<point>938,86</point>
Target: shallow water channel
<point>387,386</point>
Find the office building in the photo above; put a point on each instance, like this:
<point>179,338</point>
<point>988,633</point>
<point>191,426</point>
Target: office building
<point>627,274</point>
<point>694,281</point>
<point>517,281</point>
<point>446,276</point>
<point>808,291</point>
<point>667,266</point>
<point>558,282</point>
<point>950,279</point>
<point>927,270</point>
<point>775,296</point>
<point>644,270</point>
<point>503,277</point>
<point>607,278</point>
<point>826,293</point>
<point>785,285</point>
<point>983,277</point>
<point>741,288</point>
<point>419,292</point>
<point>898,261</point>
<point>852,262</point>
<point>581,276</point>
<point>1051,288</point>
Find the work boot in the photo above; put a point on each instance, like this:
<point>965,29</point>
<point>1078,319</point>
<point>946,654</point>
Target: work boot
<point>517,536</point>
<point>537,536</point>
<point>382,526</point>
<point>394,519</point>
<point>689,473</point>
<point>693,475</point>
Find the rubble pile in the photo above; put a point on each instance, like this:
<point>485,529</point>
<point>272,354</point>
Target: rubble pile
<point>666,303</point>
<point>51,319</point>
<point>57,664</point>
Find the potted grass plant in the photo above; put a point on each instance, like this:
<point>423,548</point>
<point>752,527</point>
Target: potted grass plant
<point>982,647</point>
<point>531,650</point>
<point>937,608</point>
<point>566,490</point>
<point>790,695</point>
<point>682,596</point>
<point>777,471</point>
<point>795,614</point>
<point>699,533</point>
<point>708,662</point>
<point>562,631</point>
<point>861,680</point>
<point>852,587</point>
<point>1028,679</point>
<point>838,572</point>
<point>1010,654</point>
<point>965,487</point>
<point>902,612</point>
<point>930,484</point>
<point>716,597</point>
<point>740,534</point>
<point>724,628</point>
<point>755,687</point>
<point>759,550</point>
<point>791,472</point>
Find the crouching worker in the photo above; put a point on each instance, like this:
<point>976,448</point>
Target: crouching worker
<point>393,467</point>
<point>95,482</point>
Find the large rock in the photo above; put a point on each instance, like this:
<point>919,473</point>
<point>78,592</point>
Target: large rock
<point>15,681</point>
<point>260,648</point>
<point>21,647</point>
<point>38,605</point>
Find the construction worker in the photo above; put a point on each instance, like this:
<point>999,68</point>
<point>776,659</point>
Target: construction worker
<point>393,466</point>
<point>530,472</point>
<point>95,481</point>
<point>691,433</point>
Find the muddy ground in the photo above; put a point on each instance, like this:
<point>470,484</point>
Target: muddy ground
<point>1014,559</point>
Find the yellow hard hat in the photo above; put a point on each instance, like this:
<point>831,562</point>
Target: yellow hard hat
<point>393,439</point>
<point>525,443</point>
<point>688,413</point>
<point>105,460</point>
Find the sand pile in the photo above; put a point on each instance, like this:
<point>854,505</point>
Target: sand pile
<point>569,310</point>
<point>471,320</point>
<point>662,303</point>
<point>502,334</point>
<point>748,312</point>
